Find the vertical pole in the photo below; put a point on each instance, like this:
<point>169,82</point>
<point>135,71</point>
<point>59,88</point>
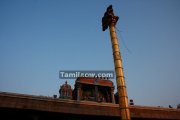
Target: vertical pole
<point>110,20</point>
<point>121,86</point>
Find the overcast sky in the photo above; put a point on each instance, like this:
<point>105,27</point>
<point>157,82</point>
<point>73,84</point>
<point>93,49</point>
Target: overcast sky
<point>40,37</point>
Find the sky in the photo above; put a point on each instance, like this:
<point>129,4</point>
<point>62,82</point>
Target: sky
<point>38,38</point>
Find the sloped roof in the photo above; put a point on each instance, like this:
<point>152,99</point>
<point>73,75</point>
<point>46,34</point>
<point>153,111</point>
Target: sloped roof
<point>95,81</point>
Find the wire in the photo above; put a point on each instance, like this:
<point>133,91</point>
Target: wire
<point>121,38</point>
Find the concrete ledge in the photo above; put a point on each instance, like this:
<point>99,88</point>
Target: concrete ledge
<point>50,104</point>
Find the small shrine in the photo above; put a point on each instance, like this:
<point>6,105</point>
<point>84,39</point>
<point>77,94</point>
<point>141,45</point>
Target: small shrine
<point>65,91</point>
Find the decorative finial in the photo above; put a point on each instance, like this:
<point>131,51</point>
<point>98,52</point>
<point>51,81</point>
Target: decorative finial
<point>109,18</point>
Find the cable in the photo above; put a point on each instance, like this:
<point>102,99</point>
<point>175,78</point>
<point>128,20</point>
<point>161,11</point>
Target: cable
<point>121,38</point>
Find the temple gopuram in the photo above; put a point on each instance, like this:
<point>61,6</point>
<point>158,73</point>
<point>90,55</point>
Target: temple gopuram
<point>65,91</point>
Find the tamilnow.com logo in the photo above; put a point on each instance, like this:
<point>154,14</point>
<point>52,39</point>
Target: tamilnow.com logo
<point>69,74</point>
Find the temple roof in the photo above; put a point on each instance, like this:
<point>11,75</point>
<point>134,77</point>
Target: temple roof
<point>95,81</point>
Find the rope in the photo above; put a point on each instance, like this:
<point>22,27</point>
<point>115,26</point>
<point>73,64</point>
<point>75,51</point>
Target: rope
<point>121,38</point>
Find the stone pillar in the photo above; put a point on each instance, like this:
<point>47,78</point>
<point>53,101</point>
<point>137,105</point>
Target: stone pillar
<point>78,92</point>
<point>96,93</point>
<point>112,95</point>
